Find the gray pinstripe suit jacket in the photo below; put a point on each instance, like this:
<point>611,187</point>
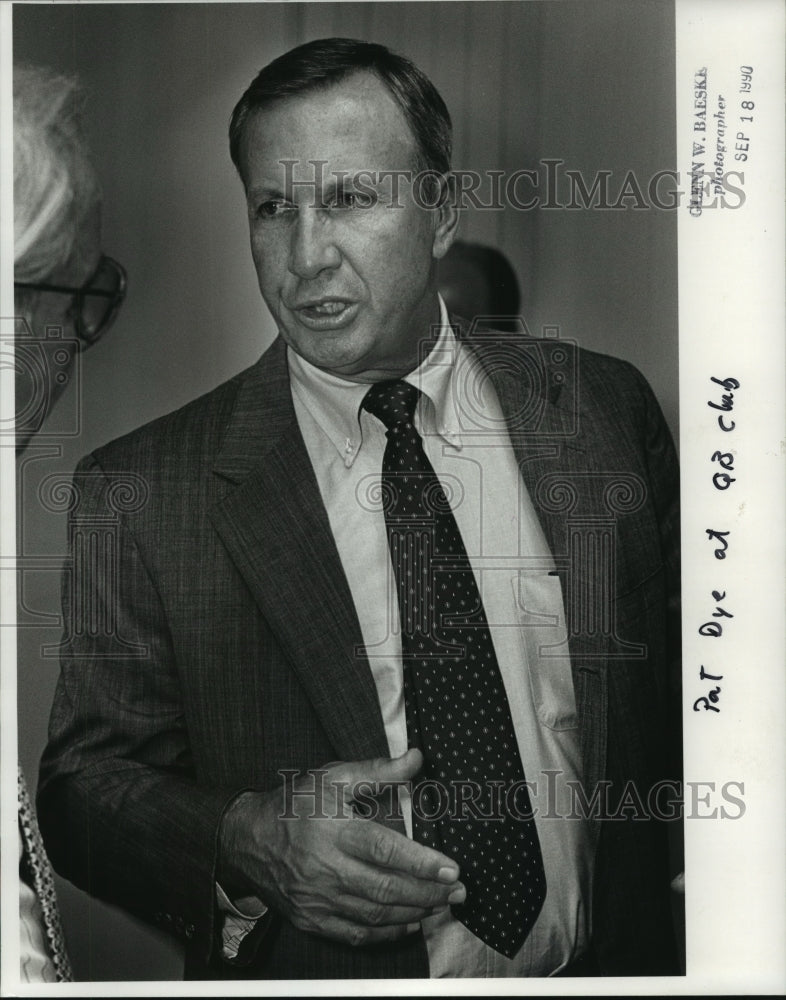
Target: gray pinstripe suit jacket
<point>220,645</point>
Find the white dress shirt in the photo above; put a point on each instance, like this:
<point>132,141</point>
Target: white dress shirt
<point>466,440</point>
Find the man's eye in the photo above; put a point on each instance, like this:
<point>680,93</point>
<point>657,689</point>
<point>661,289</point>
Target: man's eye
<point>270,209</point>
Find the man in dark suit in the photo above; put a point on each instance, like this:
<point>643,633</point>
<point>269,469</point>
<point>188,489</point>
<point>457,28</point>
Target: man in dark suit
<point>345,571</point>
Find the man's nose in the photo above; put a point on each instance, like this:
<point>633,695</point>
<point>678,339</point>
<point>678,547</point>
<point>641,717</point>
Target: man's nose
<point>312,248</point>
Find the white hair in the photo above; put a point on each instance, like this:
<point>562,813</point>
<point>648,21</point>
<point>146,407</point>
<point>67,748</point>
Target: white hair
<point>55,184</point>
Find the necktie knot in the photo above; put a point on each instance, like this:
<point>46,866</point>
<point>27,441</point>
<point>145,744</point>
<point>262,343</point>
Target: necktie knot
<point>392,402</point>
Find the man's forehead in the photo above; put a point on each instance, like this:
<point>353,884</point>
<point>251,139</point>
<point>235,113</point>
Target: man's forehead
<point>344,123</point>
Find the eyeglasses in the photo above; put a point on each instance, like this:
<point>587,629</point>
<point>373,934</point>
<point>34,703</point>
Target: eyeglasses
<point>96,303</point>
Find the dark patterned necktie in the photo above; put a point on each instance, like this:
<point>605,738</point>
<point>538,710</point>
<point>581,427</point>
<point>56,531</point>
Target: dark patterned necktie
<point>471,801</point>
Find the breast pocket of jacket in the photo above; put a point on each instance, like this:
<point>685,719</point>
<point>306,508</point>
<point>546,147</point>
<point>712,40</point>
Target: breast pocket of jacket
<point>543,636</point>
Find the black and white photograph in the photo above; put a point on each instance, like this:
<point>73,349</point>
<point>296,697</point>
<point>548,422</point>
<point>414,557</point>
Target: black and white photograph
<point>385,480</point>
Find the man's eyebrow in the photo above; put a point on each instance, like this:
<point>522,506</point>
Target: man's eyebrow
<point>336,182</point>
<point>261,192</point>
<point>341,180</point>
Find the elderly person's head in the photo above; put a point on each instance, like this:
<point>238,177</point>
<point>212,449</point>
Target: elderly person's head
<point>66,291</point>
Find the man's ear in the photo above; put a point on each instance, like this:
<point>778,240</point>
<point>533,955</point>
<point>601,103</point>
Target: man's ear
<point>447,216</point>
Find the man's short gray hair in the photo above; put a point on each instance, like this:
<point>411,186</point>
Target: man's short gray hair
<point>55,184</point>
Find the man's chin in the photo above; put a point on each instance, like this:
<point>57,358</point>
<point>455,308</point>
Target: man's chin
<point>334,352</point>
<point>348,354</point>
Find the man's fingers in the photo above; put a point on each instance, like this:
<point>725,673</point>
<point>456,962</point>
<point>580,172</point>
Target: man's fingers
<point>377,914</point>
<point>377,844</point>
<point>359,881</point>
<point>381,770</point>
<point>379,888</point>
<point>354,934</point>
<point>392,889</point>
<point>383,848</point>
<point>402,768</point>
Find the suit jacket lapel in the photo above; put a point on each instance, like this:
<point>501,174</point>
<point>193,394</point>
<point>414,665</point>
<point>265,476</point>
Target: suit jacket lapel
<point>276,530</point>
<point>545,428</point>
<point>549,435</point>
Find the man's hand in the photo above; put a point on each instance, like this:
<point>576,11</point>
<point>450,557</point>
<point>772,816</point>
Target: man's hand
<point>329,870</point>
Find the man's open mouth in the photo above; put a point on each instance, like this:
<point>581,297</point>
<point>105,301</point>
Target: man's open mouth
<point>323,314</point>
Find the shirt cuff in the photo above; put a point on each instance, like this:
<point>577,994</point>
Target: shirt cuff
<point>239,919</point>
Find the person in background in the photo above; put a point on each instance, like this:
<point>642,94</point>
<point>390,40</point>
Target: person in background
<point>66,294</point>
<point>478,281</point>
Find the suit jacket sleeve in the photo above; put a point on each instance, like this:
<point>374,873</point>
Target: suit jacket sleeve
<point>120,811</point>
<point>663,480</point>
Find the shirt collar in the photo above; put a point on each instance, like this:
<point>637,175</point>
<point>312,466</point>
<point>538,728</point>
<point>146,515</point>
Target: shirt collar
<point>335,403</point>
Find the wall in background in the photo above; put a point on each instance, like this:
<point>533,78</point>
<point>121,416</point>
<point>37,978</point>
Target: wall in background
<point>590,84</point>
